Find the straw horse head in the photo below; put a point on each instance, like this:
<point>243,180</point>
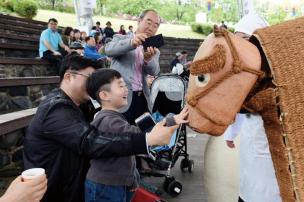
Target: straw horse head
<point>263,75</point>
<point>224,70</point>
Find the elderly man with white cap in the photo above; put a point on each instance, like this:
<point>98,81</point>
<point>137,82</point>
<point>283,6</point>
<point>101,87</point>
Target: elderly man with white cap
<point>257,176</point>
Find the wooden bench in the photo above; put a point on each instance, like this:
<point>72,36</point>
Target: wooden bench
<point>20,30</point>
<point>19,46</point>
<point>28,81</point>
<point>4,16</point>
<point>16,120</point>
<point>23,61</point>
<point>5,35</point>
<point>19,50</point>
<point>22,24</point>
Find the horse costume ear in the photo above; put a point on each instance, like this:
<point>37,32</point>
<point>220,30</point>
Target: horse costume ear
<point>210,64</point>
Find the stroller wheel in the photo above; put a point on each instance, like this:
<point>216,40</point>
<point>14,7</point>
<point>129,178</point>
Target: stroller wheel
<point>168,180</point>
<point>190,166</point>
<point>174,188</point>
<point>184,164</point>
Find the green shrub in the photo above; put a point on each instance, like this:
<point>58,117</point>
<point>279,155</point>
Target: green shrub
<point>231,29</point>
<point>59,7</point>
<point>7,4</point>
<point>205,29</point>
<point>197,28</point>
<point>26,8</point>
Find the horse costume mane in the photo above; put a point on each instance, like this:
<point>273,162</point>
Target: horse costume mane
<point>224,77</point>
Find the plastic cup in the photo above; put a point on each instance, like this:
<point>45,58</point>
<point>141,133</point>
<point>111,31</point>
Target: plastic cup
<point>32,173</point>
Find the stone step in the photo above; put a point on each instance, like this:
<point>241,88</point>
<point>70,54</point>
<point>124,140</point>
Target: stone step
<point>23,61</point>
<point>18,39</point>
<point>20,29</point>
<point>18,98</point>
<point>18,19</point>
<point>22,24</point>
<point>20,33</point>
<point>28,81</point>
<point>18,50</point>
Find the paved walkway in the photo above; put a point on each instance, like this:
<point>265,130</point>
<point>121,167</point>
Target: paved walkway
<point>193,188</point>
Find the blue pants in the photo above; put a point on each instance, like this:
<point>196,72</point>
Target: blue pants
<point>95,192</point>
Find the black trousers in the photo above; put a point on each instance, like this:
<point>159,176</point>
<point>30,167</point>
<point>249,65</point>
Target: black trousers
<point>137,108</point>
<point>55,60</point>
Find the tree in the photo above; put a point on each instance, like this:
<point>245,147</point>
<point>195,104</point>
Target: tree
<point>276,15</point>
<point>102,6</point>
<point>131,7</point>
<point>223,10</point>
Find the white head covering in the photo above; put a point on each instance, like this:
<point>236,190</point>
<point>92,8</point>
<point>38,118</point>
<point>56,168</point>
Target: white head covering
<point>250,22</point>
<point>178,54</point>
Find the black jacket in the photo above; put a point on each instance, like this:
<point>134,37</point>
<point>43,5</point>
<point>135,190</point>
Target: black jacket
<point>109,32</point>
<point>61,141</point>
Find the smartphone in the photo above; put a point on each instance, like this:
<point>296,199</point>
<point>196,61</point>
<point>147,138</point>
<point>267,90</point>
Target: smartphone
<point>154,41</point>
<point>145,122</point>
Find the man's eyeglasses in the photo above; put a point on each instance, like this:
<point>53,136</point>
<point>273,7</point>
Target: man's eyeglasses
<point>78,73</point>
<point>53,23</point>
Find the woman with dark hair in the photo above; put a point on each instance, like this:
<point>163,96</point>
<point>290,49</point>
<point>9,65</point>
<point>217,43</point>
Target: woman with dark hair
<point>83,35</point>
<point>77,36</point>
<point>98,38</point>
<point>122,30</point>
<point>67,36</point>
<point>108,31</point>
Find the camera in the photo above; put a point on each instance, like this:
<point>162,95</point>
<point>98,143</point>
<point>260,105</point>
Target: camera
<point>154,41</point>
<point>145,122</point>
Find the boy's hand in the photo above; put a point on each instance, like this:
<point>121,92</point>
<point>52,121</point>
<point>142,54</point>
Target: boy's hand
<point>160,134</point>
<point>182,117</point>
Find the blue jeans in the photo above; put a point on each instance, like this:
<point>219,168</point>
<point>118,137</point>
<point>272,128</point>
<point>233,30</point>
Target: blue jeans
<point>95,192</point>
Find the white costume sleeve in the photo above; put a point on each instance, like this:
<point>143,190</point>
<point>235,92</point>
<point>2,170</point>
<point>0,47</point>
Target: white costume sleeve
<point>174,70</point>
<point>234,129</point>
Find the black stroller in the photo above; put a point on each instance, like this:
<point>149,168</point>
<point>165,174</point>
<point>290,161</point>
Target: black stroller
<point>167,96</point>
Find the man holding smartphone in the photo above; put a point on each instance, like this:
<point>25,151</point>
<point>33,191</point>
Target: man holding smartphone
<point>134,63</point>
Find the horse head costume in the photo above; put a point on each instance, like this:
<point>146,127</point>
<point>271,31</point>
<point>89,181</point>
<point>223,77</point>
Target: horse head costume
<point>264,76</point>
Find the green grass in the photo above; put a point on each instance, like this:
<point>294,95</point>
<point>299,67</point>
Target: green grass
<point>67,19</point>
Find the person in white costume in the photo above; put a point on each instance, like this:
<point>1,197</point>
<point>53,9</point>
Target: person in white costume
<point>258,182</point>
<point>257,177</point>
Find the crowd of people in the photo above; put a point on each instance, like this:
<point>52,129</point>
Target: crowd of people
<point>84,160</point>
<point>54,47</point>
<point>88,159</point>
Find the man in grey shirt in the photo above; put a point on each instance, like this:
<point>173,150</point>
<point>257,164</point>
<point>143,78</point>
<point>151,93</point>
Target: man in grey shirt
<point>134,63</point>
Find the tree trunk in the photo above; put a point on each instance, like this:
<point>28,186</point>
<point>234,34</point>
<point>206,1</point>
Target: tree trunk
<point>53,4</point>
<point>179,14</point>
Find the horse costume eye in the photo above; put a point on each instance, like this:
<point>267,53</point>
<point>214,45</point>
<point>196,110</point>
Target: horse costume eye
<point>202,80</point>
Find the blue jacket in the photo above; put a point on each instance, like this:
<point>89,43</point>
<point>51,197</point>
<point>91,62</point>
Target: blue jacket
<point>90,52</point>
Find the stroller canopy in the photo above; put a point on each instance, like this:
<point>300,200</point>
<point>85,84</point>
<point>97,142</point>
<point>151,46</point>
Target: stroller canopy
<point>172,85</point>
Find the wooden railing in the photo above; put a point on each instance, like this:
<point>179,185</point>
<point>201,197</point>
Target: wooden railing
<point>16,120</point>
<point>28,81</point>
